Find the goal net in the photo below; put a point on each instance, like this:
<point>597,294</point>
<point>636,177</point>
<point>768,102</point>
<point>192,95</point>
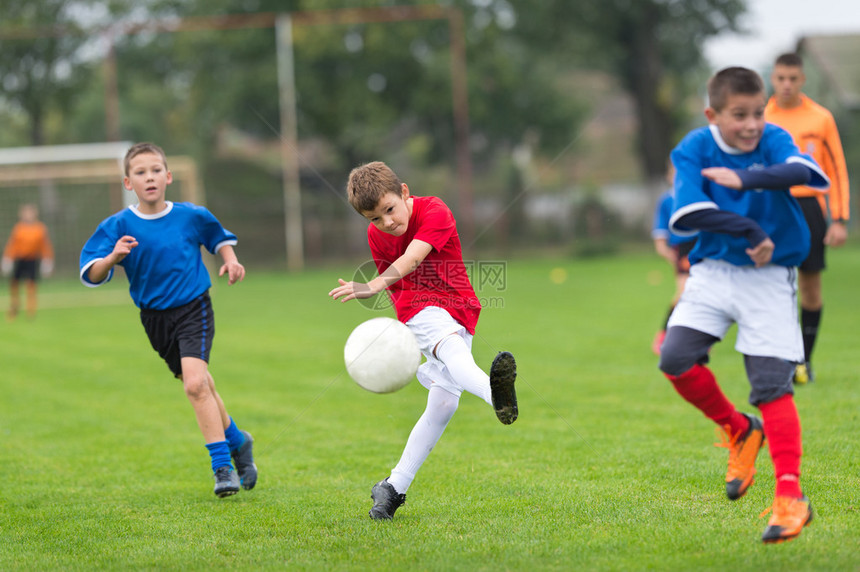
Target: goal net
<point>75,187</point>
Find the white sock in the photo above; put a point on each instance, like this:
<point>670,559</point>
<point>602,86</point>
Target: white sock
<point>441,406</point>
<point>455,354</point>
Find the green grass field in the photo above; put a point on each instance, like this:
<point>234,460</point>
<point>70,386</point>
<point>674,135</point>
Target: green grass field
<point>606,468</point>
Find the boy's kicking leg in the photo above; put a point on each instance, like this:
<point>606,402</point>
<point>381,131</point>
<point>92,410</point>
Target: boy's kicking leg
<point>497,389</point>
<point>682,360</point>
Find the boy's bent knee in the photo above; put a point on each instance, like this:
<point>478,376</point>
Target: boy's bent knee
<point>770,378</point>
<point>196,385</point>
<point>674,364</point>
<point>447,408</point>
<point>683,348</point>
<point>441,404</point>
<point>450,345</point>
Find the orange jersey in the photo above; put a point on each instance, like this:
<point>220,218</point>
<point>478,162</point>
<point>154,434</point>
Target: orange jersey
<point>814,132</point>
<point>29,241</point>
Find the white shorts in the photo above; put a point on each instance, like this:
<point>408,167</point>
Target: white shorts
<point>430,326</point>
<point>761,301</point>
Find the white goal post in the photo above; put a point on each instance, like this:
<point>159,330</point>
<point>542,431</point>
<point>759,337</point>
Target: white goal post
<point>75,187</point>
<point>87,162</point>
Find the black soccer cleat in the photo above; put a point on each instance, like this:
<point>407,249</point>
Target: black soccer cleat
<point>243,458</point>
<point>386,500</point>
<point>503,374</point>
<point>226,482</point>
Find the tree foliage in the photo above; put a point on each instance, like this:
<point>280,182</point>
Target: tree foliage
<point>365,86</point>
<point>362,87</point>
<point>653,47</point>
<point>38,72</point>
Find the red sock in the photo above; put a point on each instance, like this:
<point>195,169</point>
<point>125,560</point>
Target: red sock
<point>698,386</point>
<point>782,430</point>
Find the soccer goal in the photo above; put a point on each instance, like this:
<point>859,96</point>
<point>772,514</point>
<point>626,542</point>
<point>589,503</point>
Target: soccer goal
<point>75,188</point>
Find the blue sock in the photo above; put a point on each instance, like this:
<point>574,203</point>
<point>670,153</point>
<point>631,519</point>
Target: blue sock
<point>235,438</point>
<point>220,453</point>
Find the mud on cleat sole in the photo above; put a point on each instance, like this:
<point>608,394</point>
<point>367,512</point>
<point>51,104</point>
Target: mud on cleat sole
<point>503,375</point>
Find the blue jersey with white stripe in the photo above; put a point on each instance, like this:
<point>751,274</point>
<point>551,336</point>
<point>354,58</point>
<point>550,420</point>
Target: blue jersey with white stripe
<point>775,211</point>
<point>165,270</point>
<point>662,214</point>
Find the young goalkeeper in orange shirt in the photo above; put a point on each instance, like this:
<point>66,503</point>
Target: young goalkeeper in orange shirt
<point>27,252</point>
<point>814,131</point>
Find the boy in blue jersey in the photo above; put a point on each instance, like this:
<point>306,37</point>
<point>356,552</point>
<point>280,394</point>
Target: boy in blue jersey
<point>732,185</point>
<point>672,247</point>
<point>158,242</point>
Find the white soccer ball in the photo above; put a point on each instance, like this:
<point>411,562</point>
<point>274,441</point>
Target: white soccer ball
<point>381,355</point>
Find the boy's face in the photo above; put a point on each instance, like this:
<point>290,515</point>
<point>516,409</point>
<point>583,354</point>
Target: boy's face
<point>148,178</point>
<point>787,82</point>
<point>740,121</point>
<point>392,212</point>
<point>28,213</point>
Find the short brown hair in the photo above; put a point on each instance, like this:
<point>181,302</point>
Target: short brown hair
<point>789,59</point>
<point>732,81</point>
<point>140,149</point>
<point>368,183</point>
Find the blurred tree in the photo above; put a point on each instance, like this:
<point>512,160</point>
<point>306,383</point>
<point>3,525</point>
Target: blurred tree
<point>362,87</point>
<point>38,74</point>
<point>367,89</point>
<point>50,55</point>
<point>654,47</point>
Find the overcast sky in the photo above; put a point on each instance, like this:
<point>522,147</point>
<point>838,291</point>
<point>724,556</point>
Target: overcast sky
<point>776,25</point>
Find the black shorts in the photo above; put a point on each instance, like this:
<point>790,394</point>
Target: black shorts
<point>184,331</point>
<point>24,269</point>
<point>817,230</point>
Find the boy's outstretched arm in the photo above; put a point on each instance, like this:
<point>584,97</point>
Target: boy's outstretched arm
<point>101,268</point>
<point>726,222</point>
<point>415,254</point>
<point>235,271</point>
<point>779,177</point>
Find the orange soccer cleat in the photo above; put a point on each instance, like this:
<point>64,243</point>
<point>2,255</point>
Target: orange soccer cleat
<point>743,451</point>
<point>789,517</point>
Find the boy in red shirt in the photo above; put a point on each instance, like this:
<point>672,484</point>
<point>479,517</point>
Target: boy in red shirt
<point>28,251</point>
<point>416,248</point>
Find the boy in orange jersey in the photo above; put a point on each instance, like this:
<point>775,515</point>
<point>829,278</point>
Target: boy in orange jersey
<point>814,131</point>
<point>28,251</point>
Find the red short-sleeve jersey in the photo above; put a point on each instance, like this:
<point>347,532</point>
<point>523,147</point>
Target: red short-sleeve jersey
<point>441,278</point>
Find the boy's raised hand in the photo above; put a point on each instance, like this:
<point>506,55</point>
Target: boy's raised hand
<point>122,248</point>
<point>234,270</point>
<point>350,290</point>
<point>761,253</point>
